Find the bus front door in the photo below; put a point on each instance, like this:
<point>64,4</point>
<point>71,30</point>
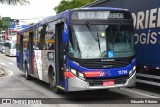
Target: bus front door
<point>21,52</point>
<point>59,55</point>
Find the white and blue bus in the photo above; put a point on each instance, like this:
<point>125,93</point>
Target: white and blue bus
<point>10,48</point>
<point>80,49</point>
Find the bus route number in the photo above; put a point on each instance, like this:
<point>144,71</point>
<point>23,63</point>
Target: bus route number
<point>122,72</point>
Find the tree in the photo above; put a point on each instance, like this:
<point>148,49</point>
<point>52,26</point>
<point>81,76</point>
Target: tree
<point>1,24</point>
<point>70,4</point>
<point>14,2</point>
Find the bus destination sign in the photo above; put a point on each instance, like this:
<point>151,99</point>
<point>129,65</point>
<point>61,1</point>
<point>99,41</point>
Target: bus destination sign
<point>96,15</point>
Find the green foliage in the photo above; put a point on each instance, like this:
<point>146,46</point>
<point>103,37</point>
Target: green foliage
<point>70,4</point>
<point>1,24</point>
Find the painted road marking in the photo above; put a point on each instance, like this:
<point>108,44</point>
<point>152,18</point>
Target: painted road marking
<point>138,93</point>
<point>3,63</point>
<point>10,63</point>
<point>10,72</point>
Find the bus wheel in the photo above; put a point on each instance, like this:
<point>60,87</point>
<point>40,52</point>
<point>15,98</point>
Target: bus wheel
<point>27,76</point>
<point>53,84</point>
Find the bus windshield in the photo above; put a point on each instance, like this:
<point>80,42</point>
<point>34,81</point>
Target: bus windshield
<point>96,41</point>
<point>12,45</point>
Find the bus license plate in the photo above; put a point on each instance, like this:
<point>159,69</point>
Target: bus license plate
<point>108,83</point>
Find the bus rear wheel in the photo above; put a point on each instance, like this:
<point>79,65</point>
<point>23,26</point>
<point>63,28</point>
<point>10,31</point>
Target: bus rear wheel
<point>27,76</point>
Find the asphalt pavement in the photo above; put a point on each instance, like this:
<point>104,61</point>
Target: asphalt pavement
<point>16,86</point>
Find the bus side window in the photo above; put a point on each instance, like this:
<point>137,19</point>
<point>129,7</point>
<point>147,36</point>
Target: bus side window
<point>50,38</point>
<point>42,37</point>
<point>35,40</point>
<point>51,46</point>
<point>26,41</point>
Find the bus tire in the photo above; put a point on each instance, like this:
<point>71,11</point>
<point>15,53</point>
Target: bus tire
<point>52,82</point>
<point>56,90</point>
<point>27,76</point>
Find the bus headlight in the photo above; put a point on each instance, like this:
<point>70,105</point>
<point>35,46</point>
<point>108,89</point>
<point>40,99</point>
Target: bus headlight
<point>134,68</point>
<point>74,72</point>
<point>132,71</point>
<point>78,74</point>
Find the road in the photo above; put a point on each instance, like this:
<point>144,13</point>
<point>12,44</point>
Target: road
<point>16,86</point>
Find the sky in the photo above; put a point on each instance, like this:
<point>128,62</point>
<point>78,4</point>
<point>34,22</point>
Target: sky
<point>36,9</point>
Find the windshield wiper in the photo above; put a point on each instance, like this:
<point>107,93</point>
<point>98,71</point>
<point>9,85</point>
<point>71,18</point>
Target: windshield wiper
<point>95,36</point>
<point>98,41</point>
<point>91,30</point>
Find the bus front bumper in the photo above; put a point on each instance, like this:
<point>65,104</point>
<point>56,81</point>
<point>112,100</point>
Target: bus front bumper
<point>76,84</point>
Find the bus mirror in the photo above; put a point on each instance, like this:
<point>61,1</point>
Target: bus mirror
<point>65,36</point>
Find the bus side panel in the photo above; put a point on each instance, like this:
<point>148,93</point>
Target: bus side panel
<point>37,64</point>
<point>46,63</point>
<point>41,64</point>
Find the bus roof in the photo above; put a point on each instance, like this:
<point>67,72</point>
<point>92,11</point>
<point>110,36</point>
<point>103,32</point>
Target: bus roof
<point>65,14</point>
<point>100,8</point>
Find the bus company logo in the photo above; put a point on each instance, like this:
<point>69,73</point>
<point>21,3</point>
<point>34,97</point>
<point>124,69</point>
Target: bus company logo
<point>102,74</point>
<point>108,73</point>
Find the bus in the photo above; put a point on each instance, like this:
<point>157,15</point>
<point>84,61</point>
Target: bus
<point>80,49</point>
<point>10,48</point>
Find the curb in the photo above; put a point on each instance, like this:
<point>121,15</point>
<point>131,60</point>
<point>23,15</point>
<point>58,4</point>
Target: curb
<point>6,71</point>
